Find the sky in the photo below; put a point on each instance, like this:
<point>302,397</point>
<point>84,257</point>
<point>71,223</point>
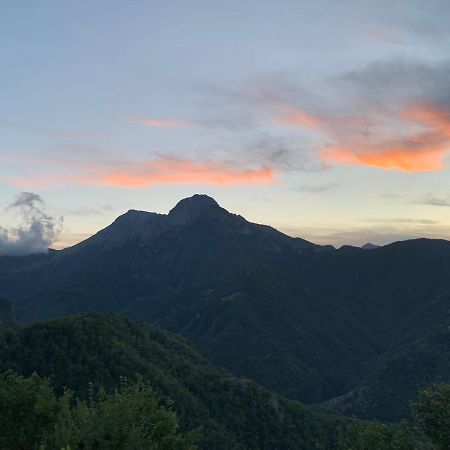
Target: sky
<point>327,120</point>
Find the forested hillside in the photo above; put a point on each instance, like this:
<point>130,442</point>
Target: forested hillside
<point>229,413</point>
<point>6,314</point>
<point>313,323</point>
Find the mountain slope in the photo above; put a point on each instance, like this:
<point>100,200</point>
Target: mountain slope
<point>233,413</point>
<point>6,316</point>
<point>308,321</point>
<point>228,285</point>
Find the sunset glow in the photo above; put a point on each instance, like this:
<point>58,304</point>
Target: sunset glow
<point>398,159</point>
<point>180,171</point>
<point>282,112</point>
<point>289,115</point>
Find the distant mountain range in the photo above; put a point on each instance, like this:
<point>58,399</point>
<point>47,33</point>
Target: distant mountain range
<point>311,322</point>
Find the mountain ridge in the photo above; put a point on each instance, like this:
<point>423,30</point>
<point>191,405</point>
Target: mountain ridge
<point>305,320</point>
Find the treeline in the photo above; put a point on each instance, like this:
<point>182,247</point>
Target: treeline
<point>131,418</point>
<point>429,431</point>
<point>32,417</point>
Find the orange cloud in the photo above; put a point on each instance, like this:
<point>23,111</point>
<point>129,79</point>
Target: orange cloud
<point>182,171</point>
<point>394,158</point>
<point>419,152</point>
<point>164,123</point>
<point>413,139</point>
<point>290,115</point>
<point>162,170</point>
<point>430,116</point>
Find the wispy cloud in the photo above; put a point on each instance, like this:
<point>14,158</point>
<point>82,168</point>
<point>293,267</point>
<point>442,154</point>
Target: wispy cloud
<point>170,170</point>
<point>162,122</point>
<point>86,211</point>
<point>290,115</point>
<point>410,155</point>
<point>393,116</point>
<point>317,188</point>
<point>433,200</point>
<point>141,174</point>
<point>414,139</point>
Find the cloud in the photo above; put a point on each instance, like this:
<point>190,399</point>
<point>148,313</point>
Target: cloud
<point>390,116</point>
<point>163,123</point>
<point>87,211</point>
<point>283,155</point>
<point>397,156</point>
<point>37,232</point>
<point>171,170</point>
<point>140,174</point>
<point>432,200</point>
<point>402,220</point>
<point>290,115</point>
<point>414,139</point>
<point>318,188</point>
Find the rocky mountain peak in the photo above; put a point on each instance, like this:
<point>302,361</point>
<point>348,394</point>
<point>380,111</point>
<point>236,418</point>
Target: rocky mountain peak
<point>188,209</point>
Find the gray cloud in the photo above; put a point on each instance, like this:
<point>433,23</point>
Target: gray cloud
<point>432,200</point>
<point>390,82</point>
<point>413,18</point>
<point>37,232</point>
<point>401,220</point>
<point>318,188</point>
<point>283,154</point>
<point>89,211</point>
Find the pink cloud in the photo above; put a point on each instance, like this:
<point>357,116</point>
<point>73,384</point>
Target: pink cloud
<point>163,123</point>
<point>290,115</point>
<point>426,159</point>
<point>412,139</point>
<point>160,170</point>
<point>181,171</point>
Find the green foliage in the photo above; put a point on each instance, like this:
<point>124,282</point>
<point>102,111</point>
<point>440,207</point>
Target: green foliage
<point>28,410</point>
<point>232,413</point>
<point>432,413</point>
<point>379,436</point>
<point>128,419</point>
<point>6,316</point>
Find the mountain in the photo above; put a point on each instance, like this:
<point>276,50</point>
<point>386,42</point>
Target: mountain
<point>228,285</point>
<point>311,322</point>
<point>234,414</point>
<point>6,315</point>
<point>369,246</point>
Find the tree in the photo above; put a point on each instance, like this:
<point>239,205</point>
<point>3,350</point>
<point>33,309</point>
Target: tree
<point>375,435</point>
<point>432,413</point>
<point>28,410</point>
<point>130,418</point>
